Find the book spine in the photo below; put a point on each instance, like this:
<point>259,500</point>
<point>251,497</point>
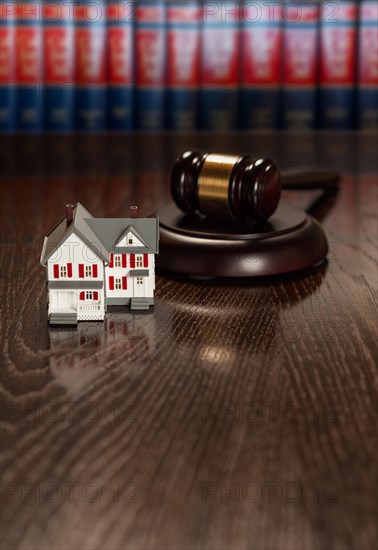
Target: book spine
<point>7,67</point>
<point>151,65</point>
<point>29,102</point>
<point>337,65</point>
<point>58,50</point>
<point>184,52</point>
<point>220,65</point>
<point>367,100</point>
<point>300,69</point>
<point>261,74</point>
<point>90,71</point>
<point>120,56</point>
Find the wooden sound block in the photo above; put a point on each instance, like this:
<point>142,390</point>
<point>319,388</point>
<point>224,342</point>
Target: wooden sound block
<point>198,246</point>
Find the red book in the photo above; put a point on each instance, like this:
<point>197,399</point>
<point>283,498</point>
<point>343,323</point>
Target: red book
<point>337,64</point>
<point>220,65</point>
<point>90,58</point>
<point>367,101</point>
<point>7,67</point>
<point>29,66</point>
<point>300,65</point>
<point>120,65</point>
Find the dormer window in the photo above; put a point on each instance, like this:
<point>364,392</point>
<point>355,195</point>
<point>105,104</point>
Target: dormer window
<point>130,240</point>
<point>117,260</point>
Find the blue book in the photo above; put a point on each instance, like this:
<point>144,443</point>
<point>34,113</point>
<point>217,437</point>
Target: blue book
<point>261,70</point>
<point>184,52</point>
<point>121,92</point>
<point>29,93</point>
<point>367,93</point>
<point>58,42</point>
<point>337,65</point>
<point>90,59</point>
<point>220,65</point>
<point>300,66</point>
<point>151,65</point>
<point>7,67</point>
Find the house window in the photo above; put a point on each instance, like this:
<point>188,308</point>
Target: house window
<point>139,280</point>
<point>88,271</point>
<point>139,261</point>
<point>117,260</point>
<point>63,271</point>
<point>118,284</point>
<point>130,240</point>
<point>89,295</point>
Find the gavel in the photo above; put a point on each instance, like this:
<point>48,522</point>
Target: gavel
<point>237,187</point>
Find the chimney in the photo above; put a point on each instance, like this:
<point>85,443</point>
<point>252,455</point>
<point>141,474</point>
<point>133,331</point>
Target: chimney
<point>69,214</point>
<point>134,211</point>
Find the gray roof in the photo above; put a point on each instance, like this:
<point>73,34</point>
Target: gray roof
<point>110,231</point>
<point>102,234</point>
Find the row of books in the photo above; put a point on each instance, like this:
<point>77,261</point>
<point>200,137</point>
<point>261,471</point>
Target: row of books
<point>151,65</point>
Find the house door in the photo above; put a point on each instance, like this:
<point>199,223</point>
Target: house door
<point>139,287</point>
<point>67,300</point>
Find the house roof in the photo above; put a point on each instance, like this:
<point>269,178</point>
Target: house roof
<point>110,231</point>
<point>102,234</point>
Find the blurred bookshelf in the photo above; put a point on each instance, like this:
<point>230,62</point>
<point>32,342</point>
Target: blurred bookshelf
<point>116,66</point>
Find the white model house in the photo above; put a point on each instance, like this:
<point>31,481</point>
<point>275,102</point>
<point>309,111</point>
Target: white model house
<point>93,263</point>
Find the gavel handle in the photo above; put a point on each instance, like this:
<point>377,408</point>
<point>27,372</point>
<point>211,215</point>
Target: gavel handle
<point>305,180</point>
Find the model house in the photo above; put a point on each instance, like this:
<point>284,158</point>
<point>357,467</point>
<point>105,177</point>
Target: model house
<point>93,263</point>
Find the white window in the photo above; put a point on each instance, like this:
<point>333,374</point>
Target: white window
<point>89,295</point>
<point>139,280</point>
<point>63,271</point>
<point>139,261</point>
<point>118,284</point>
<point>117,260</point>
<point>88,271</point>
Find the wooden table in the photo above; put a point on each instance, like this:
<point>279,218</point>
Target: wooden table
<point>239,414</point>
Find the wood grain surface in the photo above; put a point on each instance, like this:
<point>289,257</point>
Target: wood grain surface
<point>238,414</point>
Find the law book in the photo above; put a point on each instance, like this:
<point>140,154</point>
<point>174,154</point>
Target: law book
<point>58,58</point>
<point>337,65</point>
<point>7,67</point>
<point>261,71</point>
<point>220,65</point>
<point>367,92</point>
<point>120,65</point>
<point>29,67</point>
<point>151,65</point>
<point>300,65</point>
<point>184,51</point>
<point>90,69</point>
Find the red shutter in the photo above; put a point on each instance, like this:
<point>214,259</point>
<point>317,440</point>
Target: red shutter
<point>145,260</point>
<point>124,283</point>
<point>111,283</point>
<point>56,271</point>
<point>69,270</point>
<point>95,270</point>
<point>132,260</point>
<point>81,271</point>
<point>123,260</point>
<point>111,260</point>
<point>95,295</point>
<point>81,295</point>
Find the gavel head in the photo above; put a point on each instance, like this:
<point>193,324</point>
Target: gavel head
<point>226,186</point>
